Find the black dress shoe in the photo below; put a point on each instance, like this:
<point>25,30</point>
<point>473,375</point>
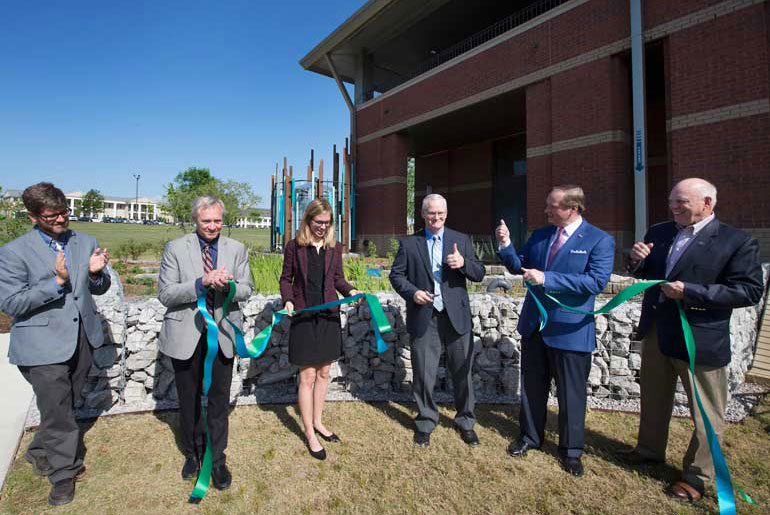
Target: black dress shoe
<point>62,492</point>
<point>421,439</point>
<point>470,437</point>
<point>519,448</point>
<point>333,438</point>
<point>190,468</point>
<point>572,465</point>
<point>40,464</point>
<point>221,477</point>
<point>319,455</point>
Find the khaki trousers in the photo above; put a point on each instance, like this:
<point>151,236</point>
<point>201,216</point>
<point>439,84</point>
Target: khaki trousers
<point>658,385</point>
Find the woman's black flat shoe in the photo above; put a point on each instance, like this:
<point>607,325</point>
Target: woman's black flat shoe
<point>331,438</point>
<point>319,455</point>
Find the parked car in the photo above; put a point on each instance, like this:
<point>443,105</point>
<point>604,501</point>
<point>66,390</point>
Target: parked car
<point>108,220</point>
<point>73,218</point>
<point>150,222</point>
<point>84,219</point>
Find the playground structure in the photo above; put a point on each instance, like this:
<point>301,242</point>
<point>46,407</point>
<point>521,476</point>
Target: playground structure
<point>290,196</point>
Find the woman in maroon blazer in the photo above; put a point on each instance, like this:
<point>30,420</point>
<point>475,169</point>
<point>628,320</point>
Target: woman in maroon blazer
<point>312,274</point>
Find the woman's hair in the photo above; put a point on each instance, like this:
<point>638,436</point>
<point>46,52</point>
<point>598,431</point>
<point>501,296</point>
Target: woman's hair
<point>315,208</point>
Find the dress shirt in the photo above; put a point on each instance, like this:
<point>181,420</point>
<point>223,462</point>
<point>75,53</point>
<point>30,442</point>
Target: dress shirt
<point>683,239</point>
<point>60,243</point>
<point>435,266</point>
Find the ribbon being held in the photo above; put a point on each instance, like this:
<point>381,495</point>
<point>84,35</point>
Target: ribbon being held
<point>254,348</point>
<point>724,485</point>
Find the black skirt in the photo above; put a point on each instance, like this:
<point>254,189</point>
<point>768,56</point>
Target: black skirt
<point>315,338</point>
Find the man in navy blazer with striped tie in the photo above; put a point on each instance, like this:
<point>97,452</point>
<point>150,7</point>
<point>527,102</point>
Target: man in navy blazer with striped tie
<point>571,260</point>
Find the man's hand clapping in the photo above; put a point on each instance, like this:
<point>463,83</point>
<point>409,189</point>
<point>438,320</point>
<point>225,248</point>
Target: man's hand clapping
<point>217,278</point>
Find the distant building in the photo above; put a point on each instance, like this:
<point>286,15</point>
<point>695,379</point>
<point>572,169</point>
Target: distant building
<point>130,208</point>
<point>254,219</point>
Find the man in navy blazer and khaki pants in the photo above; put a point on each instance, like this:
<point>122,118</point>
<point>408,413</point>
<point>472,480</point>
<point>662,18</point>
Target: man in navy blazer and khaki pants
<point>429,272</point>
<point>572,260</point>
<point>711,268</point>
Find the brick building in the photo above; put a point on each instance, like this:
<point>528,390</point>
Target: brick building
<point>498,101</point>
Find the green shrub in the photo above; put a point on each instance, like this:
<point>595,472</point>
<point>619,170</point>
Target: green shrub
<point>144,281</point>
<point>394,244</point>
<point>131,249</point>
<point>266,271</point>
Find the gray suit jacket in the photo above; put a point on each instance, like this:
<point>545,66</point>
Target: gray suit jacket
<point>182,324</point>
<point>45,321</point>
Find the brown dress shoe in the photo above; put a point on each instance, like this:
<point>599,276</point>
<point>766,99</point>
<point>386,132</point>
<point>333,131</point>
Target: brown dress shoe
<point>684,491</point>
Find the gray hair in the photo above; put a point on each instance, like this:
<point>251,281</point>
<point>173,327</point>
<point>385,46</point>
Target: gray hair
<point>205,201</point>
<point>431,198</point>
<point>703,187</point>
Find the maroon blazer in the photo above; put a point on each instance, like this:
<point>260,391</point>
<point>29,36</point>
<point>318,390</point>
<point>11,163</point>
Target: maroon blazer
<point>294,275</point>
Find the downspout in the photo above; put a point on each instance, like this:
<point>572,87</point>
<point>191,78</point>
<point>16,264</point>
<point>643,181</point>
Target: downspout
<point>640,140</point>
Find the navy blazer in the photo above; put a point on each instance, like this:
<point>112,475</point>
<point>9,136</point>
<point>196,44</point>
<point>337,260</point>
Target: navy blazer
<point>293,280</point>
<point>580,271</point>
<point>411,271</point>
<point>720,270</point>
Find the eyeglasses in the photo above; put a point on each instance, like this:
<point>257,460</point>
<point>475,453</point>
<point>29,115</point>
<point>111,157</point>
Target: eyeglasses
<point>55,216</point>
<point>321,222</point>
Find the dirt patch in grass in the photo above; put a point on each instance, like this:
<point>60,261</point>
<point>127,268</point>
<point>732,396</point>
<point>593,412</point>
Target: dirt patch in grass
<point>134,464</point>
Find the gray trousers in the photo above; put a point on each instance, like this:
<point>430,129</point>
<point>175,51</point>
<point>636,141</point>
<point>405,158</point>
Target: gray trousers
<point>56,388</point>
<point>425,354</point>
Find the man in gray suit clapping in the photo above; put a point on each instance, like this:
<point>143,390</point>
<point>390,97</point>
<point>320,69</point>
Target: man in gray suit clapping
<point>49,275</point>
<point>196,264</point>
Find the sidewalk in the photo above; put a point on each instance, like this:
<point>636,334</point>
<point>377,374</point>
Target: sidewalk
<point>15,398</point>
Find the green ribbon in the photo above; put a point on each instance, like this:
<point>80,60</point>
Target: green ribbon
<point>254,349</point>
<point>724,483</point>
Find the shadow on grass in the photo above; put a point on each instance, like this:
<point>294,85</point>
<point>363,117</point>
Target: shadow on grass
<point>281,412</point>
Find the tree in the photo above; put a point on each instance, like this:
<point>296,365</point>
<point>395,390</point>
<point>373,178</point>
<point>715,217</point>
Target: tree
<point>187,185</point>
<point>13,223</point>
<point>195,182</point>
<point>91,204</point>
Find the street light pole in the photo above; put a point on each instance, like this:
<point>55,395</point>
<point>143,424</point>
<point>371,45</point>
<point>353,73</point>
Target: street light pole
<point>136,176</point>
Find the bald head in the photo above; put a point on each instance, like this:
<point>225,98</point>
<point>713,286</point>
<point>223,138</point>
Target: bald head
<point>692,200</point>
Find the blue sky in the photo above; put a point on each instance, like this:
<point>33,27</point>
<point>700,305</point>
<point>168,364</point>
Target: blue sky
<point>94,91</point>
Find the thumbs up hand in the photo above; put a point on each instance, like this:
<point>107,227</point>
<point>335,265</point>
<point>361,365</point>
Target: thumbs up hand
<point>455,260</point>
<point>502,234</point>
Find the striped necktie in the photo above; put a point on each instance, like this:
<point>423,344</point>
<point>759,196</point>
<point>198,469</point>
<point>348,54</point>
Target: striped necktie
<point>208,266</point>
<point>436,260</point>
<point>557,244</point>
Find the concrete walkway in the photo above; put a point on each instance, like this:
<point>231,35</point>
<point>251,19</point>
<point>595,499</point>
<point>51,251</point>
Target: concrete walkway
<point>15,398</point>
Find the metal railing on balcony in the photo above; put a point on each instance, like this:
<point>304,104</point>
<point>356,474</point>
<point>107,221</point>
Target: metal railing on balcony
<point>514,20</point>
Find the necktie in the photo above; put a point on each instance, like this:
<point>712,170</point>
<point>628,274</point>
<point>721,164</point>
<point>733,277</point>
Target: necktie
<point>436,259</point>
<point>208,266</point>
<point>557,244</point>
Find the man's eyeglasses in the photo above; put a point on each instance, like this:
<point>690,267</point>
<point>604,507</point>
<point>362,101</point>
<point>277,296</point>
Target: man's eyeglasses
<point>55,216</point>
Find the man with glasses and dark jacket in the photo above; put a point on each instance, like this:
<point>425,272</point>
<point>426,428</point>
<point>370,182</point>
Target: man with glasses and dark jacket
<point>49,276</point>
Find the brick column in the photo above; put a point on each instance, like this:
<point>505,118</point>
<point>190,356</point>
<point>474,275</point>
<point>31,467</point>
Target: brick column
<point>381,191</point>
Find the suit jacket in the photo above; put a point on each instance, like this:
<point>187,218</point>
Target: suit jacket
<point>45,324</point>
<point>411,271</point>
<point>293,280</point>
<point>720,270</point>
<point>182,264</point>
<point>579,271</point>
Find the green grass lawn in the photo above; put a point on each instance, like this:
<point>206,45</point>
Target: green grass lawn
<point>133,467</point>
<point>110,236</point>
